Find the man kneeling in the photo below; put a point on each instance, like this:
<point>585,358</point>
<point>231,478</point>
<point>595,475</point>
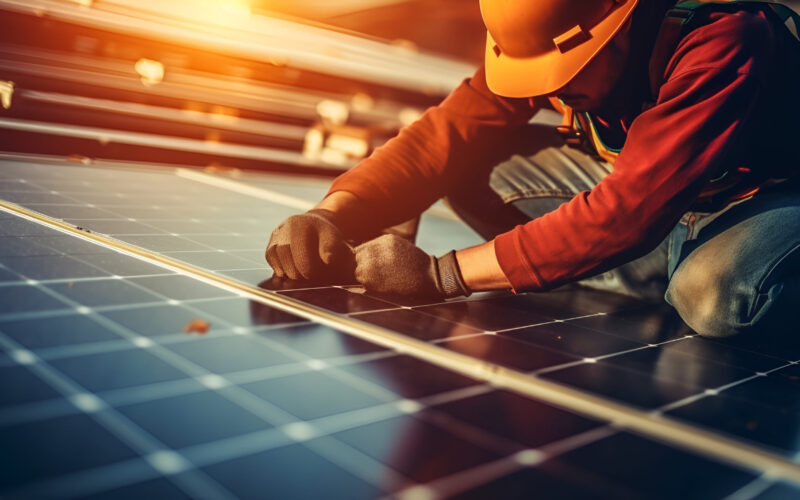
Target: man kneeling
<point>674,173</point>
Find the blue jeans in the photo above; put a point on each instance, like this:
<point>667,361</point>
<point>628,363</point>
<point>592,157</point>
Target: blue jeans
<point>731,272</point>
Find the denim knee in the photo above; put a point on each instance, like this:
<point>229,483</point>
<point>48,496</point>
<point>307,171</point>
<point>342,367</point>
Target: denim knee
<point>714,301</point>
<point>738,271</point>
<point>701,300</point>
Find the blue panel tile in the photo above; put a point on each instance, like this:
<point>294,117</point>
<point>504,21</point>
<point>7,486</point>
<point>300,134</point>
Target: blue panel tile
<point>114,370</point>
<point>19,227</point>
<point>244,312</point>
<point>21,386</point>
<point>230,354</point>
<point>780,491</point>
<point>49,448</point>
<point>156,488</point>
<point>572,339</point>
<point>518,419</point>
<point>338,300</point>
<point>778,429</point>
<point>25,298</point>
<point>409,377</point>
<point>648,326</point>
<point>779,390</point>
<point>38,333</point>
<point>419,450</point>
<point>670,364</point>
<point>320,341</point>
<point>527,483</point>
<point>417,324</point>
<point>289,472</point>
<point>103,293</point>
<point>51,267</point>
<point>69,245</point>
<point>180,287</point>
<point>508,353</point>
<point>490,314</point>
<point>213,260</point>
<point>7,276</point>
<point>724,353</point>
<point>21,246</point>
<point>639,468</point>
<point>623,385</point>
<point>192,419</point>
<point>160,320</point>
<point>122,265</point>
<point>312,395</point>
<point>249,276</point>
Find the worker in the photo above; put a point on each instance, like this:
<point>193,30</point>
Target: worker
<point>673,175</point>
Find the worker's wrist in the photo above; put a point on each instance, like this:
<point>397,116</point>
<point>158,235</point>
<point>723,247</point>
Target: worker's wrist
<point>349,214</point>
<point>480,268</point>
<point>328,215</point>
<point>451,283</point>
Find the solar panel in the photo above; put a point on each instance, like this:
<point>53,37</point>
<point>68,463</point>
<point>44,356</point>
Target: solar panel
<point>132,378</point>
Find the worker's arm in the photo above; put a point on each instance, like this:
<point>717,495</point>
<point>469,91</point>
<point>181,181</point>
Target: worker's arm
<point>350,215</point>
<point>469,132</point>
<point>393,265</point>
<point>704,111</point>
<point>480,269</point>
<point>707,111</point>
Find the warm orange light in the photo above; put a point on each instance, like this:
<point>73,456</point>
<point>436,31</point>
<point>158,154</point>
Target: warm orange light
<point>6,93</point>
<point>225,12</point>
<point>213,137</point>
<point>407,116</point>
<point>362,102</point>
<point>333,112</point>
<point>236,8</point>
<point>194,109</point>
<point>336,145</point>
<point>223,114</point>
<point>152,72</point>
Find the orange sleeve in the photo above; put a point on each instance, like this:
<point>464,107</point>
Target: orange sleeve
<point>706,115</point>
<point>471,130</point>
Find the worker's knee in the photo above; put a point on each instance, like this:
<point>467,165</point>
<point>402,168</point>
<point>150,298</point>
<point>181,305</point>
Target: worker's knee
<point>721,293</point>
<point>705,293</point>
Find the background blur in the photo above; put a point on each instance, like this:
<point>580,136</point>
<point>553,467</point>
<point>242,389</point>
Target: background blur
<point>301,86</point>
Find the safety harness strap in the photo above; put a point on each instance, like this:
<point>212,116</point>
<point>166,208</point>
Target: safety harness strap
<point>678,22</point>
<point>578,129</point>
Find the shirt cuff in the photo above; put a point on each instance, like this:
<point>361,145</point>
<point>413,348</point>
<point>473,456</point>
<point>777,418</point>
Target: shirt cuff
<point>515,264</point>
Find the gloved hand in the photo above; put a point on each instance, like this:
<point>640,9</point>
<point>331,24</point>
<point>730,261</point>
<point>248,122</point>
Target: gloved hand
<point>393,265</point>
<point>310,247</point>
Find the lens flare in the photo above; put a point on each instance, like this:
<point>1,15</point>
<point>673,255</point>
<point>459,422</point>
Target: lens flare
<point>6,93</point>
<point>150,71</point>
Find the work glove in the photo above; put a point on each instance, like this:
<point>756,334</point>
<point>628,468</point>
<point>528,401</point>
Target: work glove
<point>393,265</point>
<point>310,247</point>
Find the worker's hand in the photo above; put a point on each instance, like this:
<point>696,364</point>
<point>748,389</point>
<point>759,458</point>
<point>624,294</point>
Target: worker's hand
<point>310,247</point>
<point>393,265</point>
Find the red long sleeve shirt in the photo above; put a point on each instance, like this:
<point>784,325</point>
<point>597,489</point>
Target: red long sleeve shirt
<point>726,103</point>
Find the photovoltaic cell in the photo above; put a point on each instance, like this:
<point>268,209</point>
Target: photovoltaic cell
<point>97,344</point>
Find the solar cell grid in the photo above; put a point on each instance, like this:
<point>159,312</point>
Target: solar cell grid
<point>177,414</point>
<point>393,410</point>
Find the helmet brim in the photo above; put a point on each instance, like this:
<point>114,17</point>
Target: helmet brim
<point>546,73</point>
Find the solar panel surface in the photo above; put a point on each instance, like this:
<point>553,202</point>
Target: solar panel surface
<point>94,341</point>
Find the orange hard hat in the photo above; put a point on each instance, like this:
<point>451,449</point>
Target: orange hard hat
<point>535,47</point>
